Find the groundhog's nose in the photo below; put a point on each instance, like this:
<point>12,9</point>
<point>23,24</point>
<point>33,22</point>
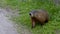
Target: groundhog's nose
<point>30,14</point>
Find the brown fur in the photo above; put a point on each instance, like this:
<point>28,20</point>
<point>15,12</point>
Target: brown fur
<point>38,15</point>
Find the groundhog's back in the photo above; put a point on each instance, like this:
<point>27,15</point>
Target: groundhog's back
<point>41,15</point>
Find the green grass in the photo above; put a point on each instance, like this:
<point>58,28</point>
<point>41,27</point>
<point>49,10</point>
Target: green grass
<point>25,6</point>
<point>53,11</point>
<point>12,3</point>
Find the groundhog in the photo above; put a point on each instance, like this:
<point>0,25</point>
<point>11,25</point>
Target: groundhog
<point>39,15</point>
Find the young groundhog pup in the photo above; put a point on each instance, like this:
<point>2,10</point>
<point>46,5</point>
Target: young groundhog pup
<point>38,15</point>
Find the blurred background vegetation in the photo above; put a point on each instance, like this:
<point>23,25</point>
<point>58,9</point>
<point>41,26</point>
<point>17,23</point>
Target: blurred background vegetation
<point>25,6</point>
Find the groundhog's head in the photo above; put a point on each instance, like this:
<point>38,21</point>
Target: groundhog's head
<point>32,13</point>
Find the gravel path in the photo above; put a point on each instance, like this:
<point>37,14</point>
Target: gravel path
<point>7,26</point>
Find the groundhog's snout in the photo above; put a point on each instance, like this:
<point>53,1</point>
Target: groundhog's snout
<point>30,14</point>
